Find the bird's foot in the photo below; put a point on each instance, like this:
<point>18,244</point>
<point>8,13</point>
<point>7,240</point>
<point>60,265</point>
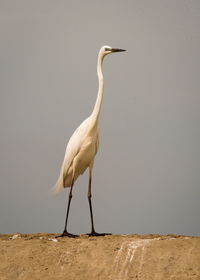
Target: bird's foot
<point>94,233</point>
<point>67,234</point>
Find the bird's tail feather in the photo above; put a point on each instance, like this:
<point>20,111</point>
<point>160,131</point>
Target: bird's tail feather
<point>59,184</point>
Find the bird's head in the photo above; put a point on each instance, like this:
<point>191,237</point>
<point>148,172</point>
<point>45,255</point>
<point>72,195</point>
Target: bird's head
<point>107,50</point>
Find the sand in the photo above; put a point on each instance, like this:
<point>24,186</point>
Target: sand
<point>113,257</point>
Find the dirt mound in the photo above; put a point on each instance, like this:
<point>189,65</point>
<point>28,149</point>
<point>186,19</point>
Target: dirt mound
<point>114,257</point>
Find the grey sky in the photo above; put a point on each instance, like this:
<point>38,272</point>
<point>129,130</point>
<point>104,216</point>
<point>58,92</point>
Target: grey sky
<point>146,174</point>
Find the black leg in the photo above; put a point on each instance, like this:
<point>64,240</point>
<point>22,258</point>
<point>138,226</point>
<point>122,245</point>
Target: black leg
<point>93,232</point>
<point>65,232</point>
<point>90,201</point>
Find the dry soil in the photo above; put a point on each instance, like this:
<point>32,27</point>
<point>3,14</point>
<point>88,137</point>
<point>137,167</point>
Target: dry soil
<point>114,257</point>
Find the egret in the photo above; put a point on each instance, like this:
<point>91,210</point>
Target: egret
<point>83,146</point>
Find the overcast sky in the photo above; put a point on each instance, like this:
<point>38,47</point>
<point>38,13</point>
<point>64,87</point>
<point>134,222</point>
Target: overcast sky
<point>147,171</point>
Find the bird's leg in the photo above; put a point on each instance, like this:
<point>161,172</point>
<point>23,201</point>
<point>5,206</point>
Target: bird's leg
<point>65,232</point>
<point>93,232</point>
<point>89,199</point>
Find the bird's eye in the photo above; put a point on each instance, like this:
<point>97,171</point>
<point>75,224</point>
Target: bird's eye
<point>107,49</point>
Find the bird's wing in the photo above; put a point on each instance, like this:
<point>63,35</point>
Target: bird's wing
<point>73,147</point>
<point>74,144</point>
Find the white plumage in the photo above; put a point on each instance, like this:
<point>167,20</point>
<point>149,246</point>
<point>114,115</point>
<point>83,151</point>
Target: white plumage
<point>83,146</point>
<point>79,155</point>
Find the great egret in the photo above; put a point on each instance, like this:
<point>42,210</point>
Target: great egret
<point>83,146</point>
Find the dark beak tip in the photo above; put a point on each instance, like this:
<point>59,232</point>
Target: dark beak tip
<point>118,50</point>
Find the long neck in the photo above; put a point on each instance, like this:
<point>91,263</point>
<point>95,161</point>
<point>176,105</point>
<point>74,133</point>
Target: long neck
<point>97,107</point>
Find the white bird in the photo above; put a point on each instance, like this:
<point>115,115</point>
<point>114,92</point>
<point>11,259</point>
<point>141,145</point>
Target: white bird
<point>83,146</point>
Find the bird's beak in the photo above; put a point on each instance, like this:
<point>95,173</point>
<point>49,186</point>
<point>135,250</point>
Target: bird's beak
<point>117,50</point>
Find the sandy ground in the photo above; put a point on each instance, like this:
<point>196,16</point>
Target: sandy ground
<point>114,257</point>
